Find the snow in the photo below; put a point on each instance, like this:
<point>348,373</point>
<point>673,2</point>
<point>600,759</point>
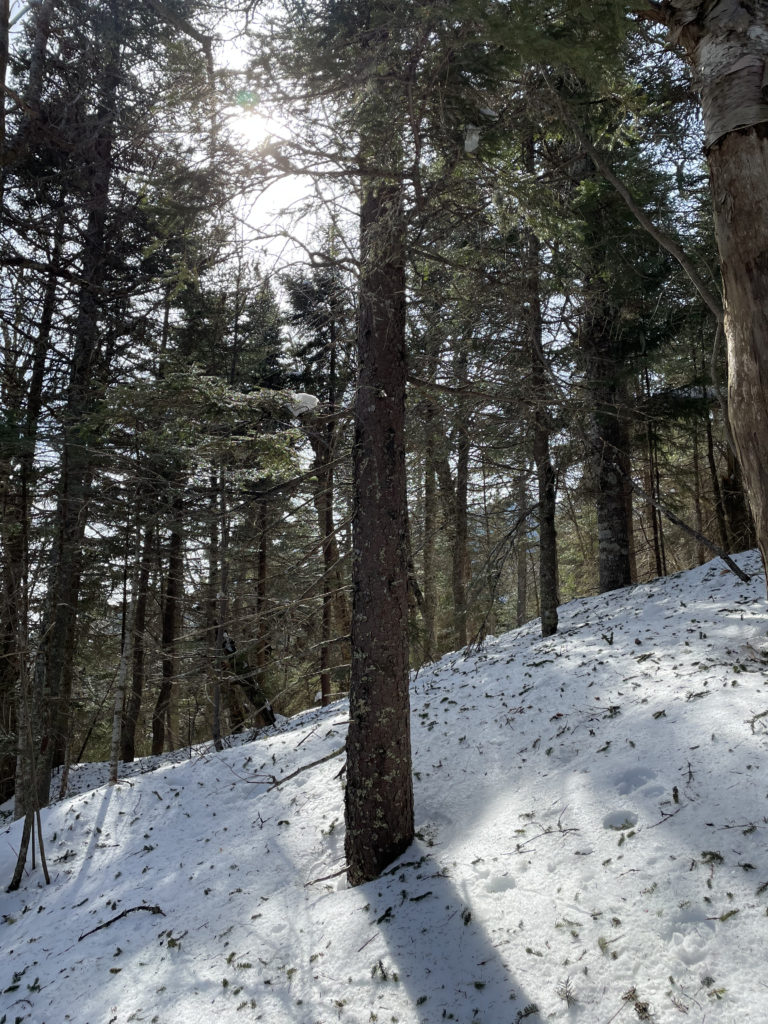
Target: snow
<point>592,818</point>
<point>302,403</point>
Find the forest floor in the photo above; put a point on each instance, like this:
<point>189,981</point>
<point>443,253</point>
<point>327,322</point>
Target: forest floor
<point>592,813</point>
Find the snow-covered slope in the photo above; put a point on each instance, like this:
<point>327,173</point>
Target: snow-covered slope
<point>593,820</point>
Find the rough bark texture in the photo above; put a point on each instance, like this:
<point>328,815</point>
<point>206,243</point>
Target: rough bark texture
<point>460,557</point>
<point>608,447</point>
<point>727,44</point>
<point>171,620</point>
<point>133,703</point>
<point>429,649</point>
<point>739,174</point>
<point>379,795</point>
<point>54,663</point>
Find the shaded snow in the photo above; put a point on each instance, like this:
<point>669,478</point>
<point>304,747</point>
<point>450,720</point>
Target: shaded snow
<point>592,813</point>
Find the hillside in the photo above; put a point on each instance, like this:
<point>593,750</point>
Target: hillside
<point>592,812</point>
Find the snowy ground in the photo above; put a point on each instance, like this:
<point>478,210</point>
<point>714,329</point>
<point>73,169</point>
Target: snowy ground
<point>592,812</point>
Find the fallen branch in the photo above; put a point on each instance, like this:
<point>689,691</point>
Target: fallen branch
<point>325,878</point>
<point>124,913</point>
<point>677,521</point>
<point>666,817</point>
<point>306,767</point>
<point>756,718</point>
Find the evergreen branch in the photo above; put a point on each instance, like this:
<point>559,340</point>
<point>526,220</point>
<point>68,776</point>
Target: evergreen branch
<point>666,242</point>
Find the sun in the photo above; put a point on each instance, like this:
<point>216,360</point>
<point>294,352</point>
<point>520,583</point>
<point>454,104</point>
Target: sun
<point>252,127</point>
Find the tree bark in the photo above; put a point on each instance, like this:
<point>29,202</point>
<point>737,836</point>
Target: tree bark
<point>727,44</point>
<point>171,621</point>
<point>138,668</point>
<point>461,520</point>
<point>54,664</point>
<point>429,647</point>
<point>608,444</point>
<point>379,794</point>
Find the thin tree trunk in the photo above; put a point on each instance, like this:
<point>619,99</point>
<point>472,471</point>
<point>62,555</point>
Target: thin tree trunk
<point>722,526</point>
<point>650,487</point>
<point>171,621</point>
<point>540,389</point>
<point>263,646</point>
<point>701,556</point>
<point>461,525</point>
<point>521,542</point>
<point>222,611</point>
<point>138,668</point>
<point>430,533</point>
<point>126,656</point>
<point>379,793</point>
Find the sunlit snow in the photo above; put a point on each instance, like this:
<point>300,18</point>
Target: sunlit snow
<point>592,812</point>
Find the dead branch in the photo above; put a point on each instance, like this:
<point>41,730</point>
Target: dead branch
<point>124,913</point>
<point>306,767</point>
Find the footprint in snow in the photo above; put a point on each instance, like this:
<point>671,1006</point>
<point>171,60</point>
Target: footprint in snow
<point>501,883</point>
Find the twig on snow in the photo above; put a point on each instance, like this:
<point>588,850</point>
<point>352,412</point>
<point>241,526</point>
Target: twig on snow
<point>324,878</point>
<point>124,913</point>
<point>306,767</point>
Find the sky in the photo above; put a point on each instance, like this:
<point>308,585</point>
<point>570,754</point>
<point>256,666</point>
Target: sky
<point>592,823</point>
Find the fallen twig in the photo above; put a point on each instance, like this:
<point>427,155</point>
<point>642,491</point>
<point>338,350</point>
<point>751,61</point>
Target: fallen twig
<point>666,817</point>
<point>124,913</point>
<point>306,767</point>
<point>325,878</point>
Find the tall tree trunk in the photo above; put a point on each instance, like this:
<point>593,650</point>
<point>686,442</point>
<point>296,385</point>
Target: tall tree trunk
<point>127,652</point>
<point>14,530</point>
<point>429,649</point>
<point>727,44</point>
<point>608,444</point>
<point>335,610</point>
<point>540,389</point>
<point>173,592</point>
<point>263,626</point>
<point>521,544</point>
<point>461,522</point>
<point>222,610</point>
<point>138,667</point>
<point>701,554</point>
<point>379,794</point>
<point>54,665</point>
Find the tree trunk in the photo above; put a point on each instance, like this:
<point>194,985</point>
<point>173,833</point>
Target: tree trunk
<point>171,621</point>
<point>126,655</point>
<point>379,794</point>
<point>717,495</point>
<point>741,528</point>
<point>263,645</point>
<point>608,445</point>
<point>461,531</point>
<point>521,544</point>
<point>540,389</point>
<point>54,665</point>
<point>138,669</point>
<point>727,44</point>
<point>429,649</point>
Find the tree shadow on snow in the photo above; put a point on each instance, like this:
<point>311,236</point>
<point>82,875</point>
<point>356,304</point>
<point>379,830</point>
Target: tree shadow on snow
<point>437,950</point>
